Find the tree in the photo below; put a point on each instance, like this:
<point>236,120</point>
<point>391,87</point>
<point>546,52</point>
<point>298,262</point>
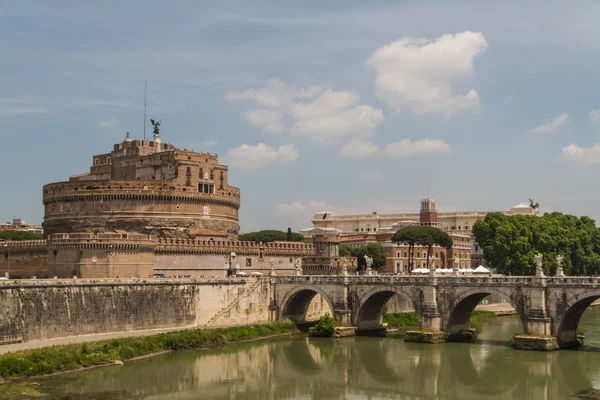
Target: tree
<point>270,236</point>
<point>289,236</point>
<point>345,250</point>
<point>20,235</point>
<point>373,250</point>
<point>510,243</point>
<point>426,236</point>
<point>410,235</point>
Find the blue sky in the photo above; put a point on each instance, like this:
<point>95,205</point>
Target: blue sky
<point>344,106</point>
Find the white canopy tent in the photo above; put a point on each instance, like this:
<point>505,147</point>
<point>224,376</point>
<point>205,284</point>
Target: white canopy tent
<point>481,270</point>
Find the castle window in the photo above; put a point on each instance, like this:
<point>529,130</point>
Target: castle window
<point>206,188</point>
<point>96,161</point>
<point>212,175</point>
<point>398,254</point>
<point>221,175</point>
<point>201,174</point>
<point>170,166</point>
<point>188,171</point>
<point>108,160</point>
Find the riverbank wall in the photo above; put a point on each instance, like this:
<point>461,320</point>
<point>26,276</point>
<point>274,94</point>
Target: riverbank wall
<point>44,309</point>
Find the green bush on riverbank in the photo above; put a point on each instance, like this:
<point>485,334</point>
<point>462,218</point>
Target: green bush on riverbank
<point>75,356</point>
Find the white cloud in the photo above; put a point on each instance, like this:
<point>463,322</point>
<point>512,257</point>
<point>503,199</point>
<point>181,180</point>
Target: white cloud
<point>417,73</point>
<point>290,209</point>
<point>581,155</point>
<point>372,176</point>
<point>303,209</point>
<point>407,148</point>
<point>20,110</point>
<point>359,148</point>
<point>319,205</point>
<point>261,155</point>
<point>550,127</point>
<point>318,113</point>
<point>271,120</point>
<point>107,124</point>
<point>595,116</point>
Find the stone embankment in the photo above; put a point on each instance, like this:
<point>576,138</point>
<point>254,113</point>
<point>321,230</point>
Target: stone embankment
<point>45,309</point>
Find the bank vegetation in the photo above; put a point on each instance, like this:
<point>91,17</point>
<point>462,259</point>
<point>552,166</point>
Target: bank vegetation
<point>72,357</point>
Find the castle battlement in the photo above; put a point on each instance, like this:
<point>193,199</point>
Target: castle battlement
<point>240,247</point>
<point>22,244</point>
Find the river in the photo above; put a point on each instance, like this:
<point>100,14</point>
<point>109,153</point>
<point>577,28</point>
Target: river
<point>352,368</point>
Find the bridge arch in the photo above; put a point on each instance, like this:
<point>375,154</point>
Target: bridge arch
<point>370,305</point>
<point>294,305</point>
<point>456,316</point>
<point>568,320</point>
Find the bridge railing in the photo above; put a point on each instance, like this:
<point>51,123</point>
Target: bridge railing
<point>574,280</point>
<point>325,279</point>
<point>449,280</point>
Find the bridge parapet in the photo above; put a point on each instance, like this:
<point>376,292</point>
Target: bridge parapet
<point>574,280</point>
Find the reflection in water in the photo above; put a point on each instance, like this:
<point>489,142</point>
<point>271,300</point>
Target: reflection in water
<point>357,368</point>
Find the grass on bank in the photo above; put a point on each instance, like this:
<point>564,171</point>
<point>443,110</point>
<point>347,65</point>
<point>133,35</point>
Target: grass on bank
<point>401,319</point>
<point>410,319</point>
<point>71,357</point>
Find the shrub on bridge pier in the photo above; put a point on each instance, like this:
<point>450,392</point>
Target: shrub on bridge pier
<point>324,328</point>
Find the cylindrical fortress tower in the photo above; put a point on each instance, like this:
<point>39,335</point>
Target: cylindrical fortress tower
<point>141,187</point>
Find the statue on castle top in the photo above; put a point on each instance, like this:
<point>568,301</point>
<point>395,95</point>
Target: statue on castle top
<point>156,125</point>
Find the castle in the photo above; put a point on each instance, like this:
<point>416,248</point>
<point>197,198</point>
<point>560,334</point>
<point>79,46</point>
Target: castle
<point>148,208</point>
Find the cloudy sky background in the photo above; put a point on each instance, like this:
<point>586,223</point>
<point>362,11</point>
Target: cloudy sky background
<point>338,106</point>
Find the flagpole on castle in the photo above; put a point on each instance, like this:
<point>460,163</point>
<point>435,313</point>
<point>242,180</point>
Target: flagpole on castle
<point>145,86</point>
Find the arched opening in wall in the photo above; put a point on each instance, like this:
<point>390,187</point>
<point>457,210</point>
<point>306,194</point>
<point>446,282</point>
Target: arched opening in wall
<point>579,322</point>
<point>476,311</point>
<point>374,310</point>
<point>305,307</point>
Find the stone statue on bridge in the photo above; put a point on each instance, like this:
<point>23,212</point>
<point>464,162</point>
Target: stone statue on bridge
<point>431,263</point>
<point>272,265</point>
<point>298,267</point>
<point>539,265</point>
<point>559,269</point>
<point>369,262</point>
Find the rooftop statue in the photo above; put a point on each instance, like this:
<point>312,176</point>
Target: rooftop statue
<point>156,125</point>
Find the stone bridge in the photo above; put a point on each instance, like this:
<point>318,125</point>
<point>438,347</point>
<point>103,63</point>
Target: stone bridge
<point>547,306</point>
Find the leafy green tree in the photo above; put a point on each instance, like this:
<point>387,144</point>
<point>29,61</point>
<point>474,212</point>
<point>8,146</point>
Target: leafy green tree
<point>289,236</point>
<point>271,236</point>
<point>345,250</point>
<point>373,250</point>
<point>510,243</point>
<point>20,235</point>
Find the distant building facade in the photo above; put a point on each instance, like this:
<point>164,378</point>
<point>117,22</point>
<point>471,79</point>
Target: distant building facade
<point>360,230</point>
<point>18,224</point>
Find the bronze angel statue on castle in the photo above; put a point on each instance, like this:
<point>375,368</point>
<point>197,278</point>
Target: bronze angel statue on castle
<point>156,125</point>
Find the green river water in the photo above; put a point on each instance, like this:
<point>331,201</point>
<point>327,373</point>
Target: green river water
<point>351,368</point>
